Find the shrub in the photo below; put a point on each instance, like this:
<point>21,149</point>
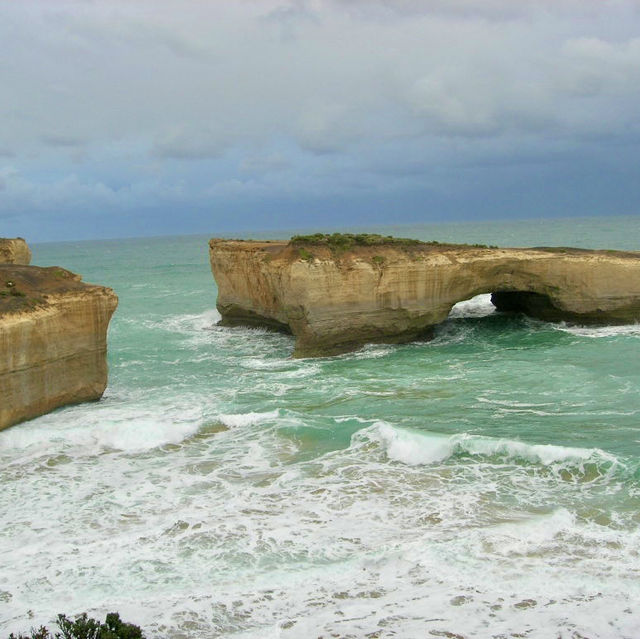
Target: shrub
<point>344,241</point>
<point>83,627</point>
<point>40,633</point>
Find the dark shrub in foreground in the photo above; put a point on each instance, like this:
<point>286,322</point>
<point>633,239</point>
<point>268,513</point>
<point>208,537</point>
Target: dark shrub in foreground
<point>83,627</point>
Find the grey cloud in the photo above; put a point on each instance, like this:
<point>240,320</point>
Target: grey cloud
<point>264,163</point>
<point>70,193</point>
<point>300,97</point>
<point>137,30</point>
<point>290,17</point>
<point>453,109</point>
<point>326,128</point>
<point>185,142</point>
<point>61,140</point>
<point>592,66</point>
<point>98,73</point>
<point>465,9</point>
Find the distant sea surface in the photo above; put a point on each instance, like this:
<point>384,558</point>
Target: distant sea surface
<point>483,484</point>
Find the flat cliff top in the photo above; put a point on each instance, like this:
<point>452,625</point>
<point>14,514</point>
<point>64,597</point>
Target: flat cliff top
<point>345,245</point>
<point>273,246</point>
<point>24,288</point>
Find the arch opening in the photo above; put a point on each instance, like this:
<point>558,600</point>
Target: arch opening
<point>536,305</point>
<point>476,306</point>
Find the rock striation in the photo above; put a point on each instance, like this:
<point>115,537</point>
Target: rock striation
<point>53,330</point>
<point>336,297</point>
<point>14,251</point>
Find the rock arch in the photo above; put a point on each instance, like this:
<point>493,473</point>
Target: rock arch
<point>335,301</point>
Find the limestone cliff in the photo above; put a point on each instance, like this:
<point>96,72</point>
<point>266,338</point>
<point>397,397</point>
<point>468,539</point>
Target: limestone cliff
<point>334,299</point>
<point>14,251</point>
<point>53,331</point>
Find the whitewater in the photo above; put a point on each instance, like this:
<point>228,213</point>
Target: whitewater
<point>483,484</point>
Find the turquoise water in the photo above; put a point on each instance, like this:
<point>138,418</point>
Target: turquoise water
<point>484,484</point>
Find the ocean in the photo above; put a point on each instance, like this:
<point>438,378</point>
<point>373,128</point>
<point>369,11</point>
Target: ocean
<point>483,484</point>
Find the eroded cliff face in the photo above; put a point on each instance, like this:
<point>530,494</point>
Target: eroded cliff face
<point>335,301</point>
<point>53,330</point>
<point>14,251</point>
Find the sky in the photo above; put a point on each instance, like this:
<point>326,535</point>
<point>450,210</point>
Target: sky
<point>122,119</point>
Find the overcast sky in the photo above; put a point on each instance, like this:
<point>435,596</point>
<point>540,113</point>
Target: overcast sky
<point>145,118</point>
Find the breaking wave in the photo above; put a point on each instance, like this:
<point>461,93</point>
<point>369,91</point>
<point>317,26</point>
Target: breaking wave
<point>625,330</point>
<point>478,306</point>
<point>418,448</point>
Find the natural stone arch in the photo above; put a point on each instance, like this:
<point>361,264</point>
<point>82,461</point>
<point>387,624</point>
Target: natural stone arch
<point>335,301</point>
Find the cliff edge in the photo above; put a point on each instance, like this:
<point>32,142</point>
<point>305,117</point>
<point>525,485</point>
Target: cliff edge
<point>336,293</point>
<point>53,330</point>
<point>14,251</point>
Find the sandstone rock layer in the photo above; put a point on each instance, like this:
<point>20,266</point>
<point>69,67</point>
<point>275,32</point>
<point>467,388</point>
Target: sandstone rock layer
<point>53,330</point>
<point>335,301</point>
<point>14,251</point>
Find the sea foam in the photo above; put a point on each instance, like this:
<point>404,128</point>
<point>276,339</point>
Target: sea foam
<point>625,330</point>
<point>122,427</point>
<point>478,306</point>
<point>238,420</point>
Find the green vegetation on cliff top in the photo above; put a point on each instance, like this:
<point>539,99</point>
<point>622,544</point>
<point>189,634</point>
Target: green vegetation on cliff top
<point>347,240</point>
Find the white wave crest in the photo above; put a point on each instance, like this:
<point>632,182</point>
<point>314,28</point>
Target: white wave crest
<point>188,323</point>
<point>416,448</point>
<point>119,427</point>
<point>625,330</point>
<point>238,420</point>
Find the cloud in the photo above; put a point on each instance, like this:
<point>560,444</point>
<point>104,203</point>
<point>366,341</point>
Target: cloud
<point>189,80</point>
<point>232,96</point>
<point>326,128</point>
<point>593,67</point>
<point>261,164</point>
<point>185,142</point>
<point>61,141</point>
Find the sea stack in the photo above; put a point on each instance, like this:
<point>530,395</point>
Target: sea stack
<point>338,292</point>
<point>53,330</point>
<point>14,251</point>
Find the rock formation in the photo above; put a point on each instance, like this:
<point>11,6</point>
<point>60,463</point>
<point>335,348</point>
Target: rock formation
<point>53,331</point>
<point>337,296</point>
<point>14,251</point>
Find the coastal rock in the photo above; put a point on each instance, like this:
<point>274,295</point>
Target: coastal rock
<point>53,330</point>
<point>14,251</point>
<point>335,299</point>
